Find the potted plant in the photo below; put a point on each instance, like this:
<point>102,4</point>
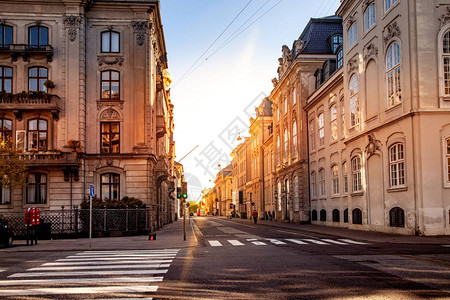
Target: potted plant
<point>49,84</point>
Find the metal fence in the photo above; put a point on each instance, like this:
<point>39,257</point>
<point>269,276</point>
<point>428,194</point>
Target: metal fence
<point>75,221</point>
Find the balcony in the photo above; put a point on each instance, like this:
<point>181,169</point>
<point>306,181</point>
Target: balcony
<point>30,101</point>
<point>27,51</point>
<point>50,159</point>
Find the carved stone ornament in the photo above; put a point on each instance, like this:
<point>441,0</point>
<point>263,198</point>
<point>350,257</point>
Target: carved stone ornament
<point>113,103</point>
<point>371,51</point>
<point>352,65</point>
<point>298,46</point>
<point>72,32</point>
<point>110,114</point>
<point>350,21</point>
<point>71,21</point>
<point>367,3</point>
<point>392,30</point>
<point>109,61</point>
<point>445,19</point>
<point>373,145</point>
<point>140,28</point>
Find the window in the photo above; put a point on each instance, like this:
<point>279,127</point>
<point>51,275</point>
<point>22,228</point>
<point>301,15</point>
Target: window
<point>38,135</point>
<point>37,188</point>
<point>5,128</point>
<point>279,196</point>
<point>356,174</point>
<point>345,177</point>
<point>446,62</point>
<point>110,137</point>
<point>294,97</point>
<point>278,114</point>
<point>110,42</point>
<point>312,136</point>
<point>339,59</point>
<point>354,101</point>
<point>110,186</point>
<point>36,78</point>
<point>397,217</point>
<point>110,85</point>
<point>335,179</point>
<point>6,78</point>
<point>286,147</point>
<point>321,130</point>
<point>357,216</point>
<point>396,165</point>
<point>333,122</point>
<point>346,215</point>
<point>296,198</point>
<point>313,185</point>
<point>336,215</point>
<point>393,75</point>
<point>323,215</point>
<point>352,35</point>
<point>285,106</point>
<point>369,17</point>
<point>314,215</point>
<point>5,195</point>
<point>448,159</point>
<point>336,40</point>
<point>342,118</point>
<point>322,182</point>
<point>294,139</point>
<point>278,151</point>
<point>388,4</point>
<point>6,36</point>
<point>37,36</point>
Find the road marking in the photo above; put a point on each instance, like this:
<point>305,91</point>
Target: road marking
<point>119,262</point>
<point>353,242</point>
<point>250,240</point>
<point>80,280</point>
<point>127,298</point>
<point>2,271</point>
<point>258,243</point>
<point>122,255</point>
<point>276,242</point>
<point>89,273</point>
<point>130,252</point>
<point>215,243</point>
<point>73,268</point>
<point>71,258</point>
<point>334,242</point>
<point>297,242</point>
<point>80,290</point>
<point>235,243</point>
<point>442,246</point>
<point>316,242</point>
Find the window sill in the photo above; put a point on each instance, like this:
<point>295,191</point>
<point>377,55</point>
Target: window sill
<point>333,142</point>
<point>393,107</point>
<point>323,198</point>
<point>359,193</point>
<point>314,199</point>
<point>335,197</point>
<point>386,12</point>
<point>366,32</point>
<point>397,189</point>
<point>445,98</point>
<point>353,47</point>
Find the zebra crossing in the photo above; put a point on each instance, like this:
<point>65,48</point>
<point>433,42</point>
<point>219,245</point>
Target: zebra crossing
<point>126,274</point>
<point>269,241</point>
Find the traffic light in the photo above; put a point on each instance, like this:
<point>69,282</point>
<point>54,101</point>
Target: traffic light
<point>184,191</point>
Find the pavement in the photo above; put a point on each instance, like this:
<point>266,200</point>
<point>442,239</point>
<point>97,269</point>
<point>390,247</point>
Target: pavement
<point>171,236</point>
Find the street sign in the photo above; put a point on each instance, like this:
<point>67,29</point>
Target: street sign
<point>91,190</point>
<point>187,204</point>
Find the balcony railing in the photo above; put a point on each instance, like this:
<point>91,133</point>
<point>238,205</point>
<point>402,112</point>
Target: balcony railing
<point>50,158</point>
<point>27,101</point>
<point>26,51</point>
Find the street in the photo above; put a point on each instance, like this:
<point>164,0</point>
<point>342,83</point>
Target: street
<point>227,259</point>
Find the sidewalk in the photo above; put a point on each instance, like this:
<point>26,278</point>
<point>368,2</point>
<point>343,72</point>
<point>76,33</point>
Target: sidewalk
<point>169,237</point>
<point>371,236</point>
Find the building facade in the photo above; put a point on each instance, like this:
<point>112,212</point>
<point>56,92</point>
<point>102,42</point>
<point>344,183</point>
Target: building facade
<point>87,99</point>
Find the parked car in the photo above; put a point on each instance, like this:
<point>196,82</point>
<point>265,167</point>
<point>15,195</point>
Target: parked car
<point>6,234</point>
<point>191,214</point>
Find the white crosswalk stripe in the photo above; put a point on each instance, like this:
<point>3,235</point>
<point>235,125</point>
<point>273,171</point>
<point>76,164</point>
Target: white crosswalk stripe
<point>215,243</point>
<point>334,242</point>
<point>353,242</point>
<point>235,243</point>
<point>296,241</point>
<point>276,242</point>
<point>263,242</point>
<point>92,273</point>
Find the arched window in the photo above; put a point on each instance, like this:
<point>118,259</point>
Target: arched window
<point>285,106</point>
<point>110,85</point>
<point>357,216</point>
<point>279,196</point>
<point>37,36</point>
<point>354,101</point>
<point>446,63</point>
<point>397,217</point>
<point>333,122</point>
<point>313,185</point>
<point>285,154</point>
<point>342,118</point>
<point>38,135</point>
<point>278,151</point>
<point>336,215</point>
<point>110,186</point>
<point>294,97</point>
<point>6,36</point>
<point>321,130</point>
<point>37,188</point>
<point>323,215</point>
<point>110,42</point>
<point>356,174</point>
<point>5,128</point>
<point>369,17</point>
<point>396,165</point>
<point>393,74</point>
<point>335,178</point>
<point>294,139</point>
<point>312,135</point>
<point>36,78</point>
<point>339,58</point>
<point>388,4</point>
<point>336,40</point>
<point>352,35</point>
<point>345,177</point>
<point>322,182</point>
<point>296,198</point>
<point>346,215</point>
<point>6,77</point>
<point>314,215</point>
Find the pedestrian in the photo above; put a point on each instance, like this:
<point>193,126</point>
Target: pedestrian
<point>255,216</point>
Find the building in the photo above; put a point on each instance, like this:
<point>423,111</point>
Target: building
<point>87,99</point>
<point>224,189</point>
<point>291,90</point>
<point>240,173</point>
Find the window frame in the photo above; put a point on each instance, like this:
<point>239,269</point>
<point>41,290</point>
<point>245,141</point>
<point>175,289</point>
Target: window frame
<point>110,133</point>
<point>39,80</point>
<point>333,122</point>
<point>335,184</point>
<point>39,36</point>
<point>335,44</point>
<point>446,156</point>
<point>110,82</point>
<point>314,215</point>
<point>294,96</point>
<point>345,178</point>
<point>352,33</point>
<point>323,215</point>
<point>321,128</point>
<point>397,165</point>
<point>339,58</point>
<point>3,28</point>
<point>396,217</point>
<point>336,215</point>
<point>322,188</point>
<point>312,135</point>
<point>313,185</point>
<point>286,145</point>
<point>5,132</point>
<point>110,184</point>
<point>294,139</point>
<point>37,131</point>
<point>394,75</point>
<point>38,199</point>
<point>356,165</point>
<point>4,77</point>
<point>388,4</point>
<point>369,17</point>
<point>354,101</point>
<point>357,216</point>
<point>109,32</point>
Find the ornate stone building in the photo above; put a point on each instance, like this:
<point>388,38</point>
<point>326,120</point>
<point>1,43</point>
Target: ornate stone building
<point>224,189</point>
<point>106,116</point>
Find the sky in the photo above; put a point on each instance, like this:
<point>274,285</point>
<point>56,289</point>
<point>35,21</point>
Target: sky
<point>222,56</point>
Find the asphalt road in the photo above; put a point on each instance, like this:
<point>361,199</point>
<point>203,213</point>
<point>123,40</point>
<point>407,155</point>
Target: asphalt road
<point>234,261</point>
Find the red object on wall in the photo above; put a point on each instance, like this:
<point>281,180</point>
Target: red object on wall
<point>32,216</point>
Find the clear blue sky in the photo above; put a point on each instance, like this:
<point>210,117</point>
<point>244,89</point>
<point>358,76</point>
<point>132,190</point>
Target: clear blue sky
<point>216,98</point>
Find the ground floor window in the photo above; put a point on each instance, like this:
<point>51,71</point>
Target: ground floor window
<point>346,215</point>
<point>110,186</point>
<point>5,195</point>
<point>37,188</point>
<point>314,215</point>
<point>397,217</point>
<point>357,216</point>
<point>323,215</point>
<point>336,215</point>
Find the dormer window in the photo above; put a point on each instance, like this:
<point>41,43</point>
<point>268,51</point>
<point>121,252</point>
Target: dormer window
<point>318,75</point>
<point>336,40</point>
<point>110,42</point>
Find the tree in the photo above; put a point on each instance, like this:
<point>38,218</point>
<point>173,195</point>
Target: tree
<point>13,170</point>
<point>193,207</point>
